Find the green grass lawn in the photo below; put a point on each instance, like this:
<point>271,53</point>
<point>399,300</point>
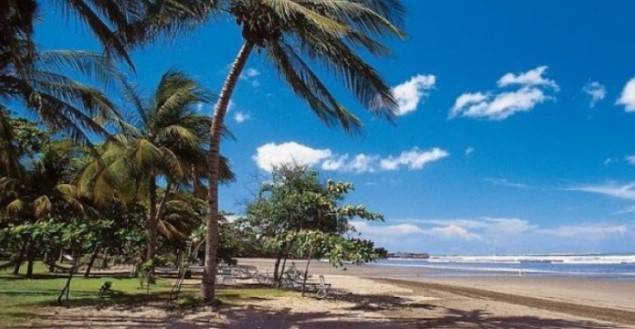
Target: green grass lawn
<point>20,298</point>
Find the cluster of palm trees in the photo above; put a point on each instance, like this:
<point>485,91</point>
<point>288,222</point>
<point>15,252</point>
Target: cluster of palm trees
<point>166,142</point>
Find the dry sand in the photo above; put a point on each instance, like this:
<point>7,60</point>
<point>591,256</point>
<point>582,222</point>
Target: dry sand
<point>374,297</point>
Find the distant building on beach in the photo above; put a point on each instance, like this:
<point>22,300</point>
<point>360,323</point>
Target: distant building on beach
<point>419,255</point>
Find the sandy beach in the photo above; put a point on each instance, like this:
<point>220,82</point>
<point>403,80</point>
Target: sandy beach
<point>374,297</point>
<point>510,302</point>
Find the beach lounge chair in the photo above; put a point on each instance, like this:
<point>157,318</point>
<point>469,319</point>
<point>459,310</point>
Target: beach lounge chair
<point>321,289</point>
<point>224,275</point>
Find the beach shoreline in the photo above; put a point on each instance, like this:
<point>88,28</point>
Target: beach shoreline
<point>600,299</point>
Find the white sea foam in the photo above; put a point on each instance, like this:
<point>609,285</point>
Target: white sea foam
<point>554,259</point>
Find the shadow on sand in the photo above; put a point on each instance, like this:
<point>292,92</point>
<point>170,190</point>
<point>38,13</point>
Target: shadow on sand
<point>418,315</point>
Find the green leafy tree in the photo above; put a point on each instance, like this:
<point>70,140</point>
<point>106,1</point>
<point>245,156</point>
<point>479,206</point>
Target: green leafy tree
<point>295,211</point>
<point>294,35</point>
<point>41,191</point>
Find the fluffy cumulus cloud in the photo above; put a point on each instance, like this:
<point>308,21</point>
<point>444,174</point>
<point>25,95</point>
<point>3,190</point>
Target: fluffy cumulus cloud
<point>410,93</point>
<point>452,231</point>
<point>413,159</point>
<point>241,117</point>
<point>595,92</point>
<point>530,90</point>
<point>271,155</point>
<point>490,234</point>
<point>531,78</point>
<point>360,163</point>
<point>627,99</point>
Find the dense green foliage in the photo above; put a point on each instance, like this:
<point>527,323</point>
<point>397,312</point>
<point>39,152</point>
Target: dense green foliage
<point>135,181</point>
<point>297,215</point>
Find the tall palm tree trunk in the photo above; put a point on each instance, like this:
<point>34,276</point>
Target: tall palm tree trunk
<point>156,212</point>
<point>211,239</point>
<point>152,219</point>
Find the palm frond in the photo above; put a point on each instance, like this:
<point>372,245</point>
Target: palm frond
<point>108,36</point>
<point>308,86</point>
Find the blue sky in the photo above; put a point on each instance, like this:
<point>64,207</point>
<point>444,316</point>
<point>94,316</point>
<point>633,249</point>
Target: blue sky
<point>515,134</point>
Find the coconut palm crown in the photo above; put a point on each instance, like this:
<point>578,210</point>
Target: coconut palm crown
<point>167,140</point>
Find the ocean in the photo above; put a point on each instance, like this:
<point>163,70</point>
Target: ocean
<point>618,266</point>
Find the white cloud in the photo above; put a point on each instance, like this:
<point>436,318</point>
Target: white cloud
<point>626,210</point>
<point>410,93</point>
<point>489,234</point>
<point>452,231</point>
<point>628,96</point>
<point>271,155</point>
<point>488,226</point>
<point>469,99</point>
<point>469,151</point>
<point>587,231</point>
<point>251,72</point>
<point>414,159</point>
<point>533,77</point>
<point>389,230</point>
<point>625,191</point>
<point>241,117</point>
<point>630,159</point>
<point>505,182</point>
<point>596,92</point>
<point>498,106</point>
<point>232,218</point>
<point>361,163</point>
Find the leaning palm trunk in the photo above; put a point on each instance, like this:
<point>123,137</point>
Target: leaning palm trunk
<point>211,239</point>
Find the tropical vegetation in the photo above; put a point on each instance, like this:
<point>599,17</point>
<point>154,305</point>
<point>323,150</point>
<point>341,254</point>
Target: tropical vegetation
<point>95,173</point>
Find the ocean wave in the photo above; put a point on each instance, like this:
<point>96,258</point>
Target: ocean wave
<point>552,259</point>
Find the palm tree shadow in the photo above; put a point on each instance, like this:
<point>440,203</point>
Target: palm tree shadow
<point>384,312</point>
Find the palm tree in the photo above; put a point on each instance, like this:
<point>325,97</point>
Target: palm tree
<point>34,79</point>
<point>166,140</point>
<point>293,35</point>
